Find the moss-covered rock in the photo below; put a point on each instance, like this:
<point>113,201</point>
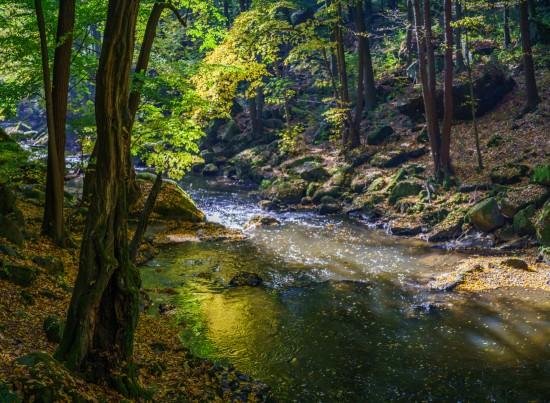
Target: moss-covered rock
<point>404,189</point>
<point>524,221</point>
<point>379,135</point>
<point>311,171</point>
<point>393,158</point>
<point>486,215</point>
<point>362,180</point>
<point>53,327</point>
<point>333,187</point>
<point>250,158</point>
<point>210,170</point>
<point>541,175</point>
<point>18,274</point>
<point>288,191</point>
<point>518,198</point>
<point>508,174</point>
<point>261,221</point>
<point>542,225</point>
<point>52,265</point>
<point>172,202</point>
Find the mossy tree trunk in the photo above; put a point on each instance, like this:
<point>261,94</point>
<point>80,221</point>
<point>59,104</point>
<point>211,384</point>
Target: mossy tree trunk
<point>103,313</point>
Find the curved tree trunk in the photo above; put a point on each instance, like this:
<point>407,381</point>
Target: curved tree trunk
<point>103,314</point>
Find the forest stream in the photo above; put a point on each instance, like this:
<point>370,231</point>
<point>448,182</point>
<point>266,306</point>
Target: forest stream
<point>345,312</point>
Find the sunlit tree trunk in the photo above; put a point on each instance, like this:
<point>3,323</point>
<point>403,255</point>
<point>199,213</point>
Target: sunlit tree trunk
<point>103,313</point>
<point>532,94</point>
<point>448,101</point>
<point>458,37</point>
<point>409,38</point>
<point>429,105</point>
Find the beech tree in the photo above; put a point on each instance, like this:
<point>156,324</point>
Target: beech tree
<point>531,91</point>
<point>103,313</point>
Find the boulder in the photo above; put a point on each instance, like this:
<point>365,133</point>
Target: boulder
<point>250,158</point>
<point>18,274</point>
<point>210,170</point>
<point>288,191</point>
<point>486,215</point>
<point>246,278</point>
<point>53,327</point>
<point>52,265</point>
<point>518,198</point>
<point>515,263</point>
<point>404,189</point>
<point>541,175</point>
<point>333,187</point>
<point>329,208</point>
<point>289,165</point>
<point>261,221</point>
<point>311,171</point>
<point>523,221</point>
<point>227,131</point>
<point>360,155</point>
<point>393,158</point>
<point>489,89</point>
<point>542,225</point>
<point>172,201</point>
<point>508,174</point>
<point>379,135</point>
<point>363,179</point>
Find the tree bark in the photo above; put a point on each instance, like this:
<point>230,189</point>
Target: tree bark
<point>409,38</point>
<point>144,218</point>
<point>103,313</point>
<point>507,38</point>
<point>448,101</point>
<point>52,223</point>
<point>360,92</point>
<point>429,105</point>
<point>368,75</point>
<point>532,94</point>
<point>458,37</point>
<point>53,214</point>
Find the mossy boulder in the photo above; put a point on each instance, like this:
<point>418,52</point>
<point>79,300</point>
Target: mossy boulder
<point>172,201</point>
<point>404,189</point>
<point>379,135</point>
<point>542,225</point>
<point>227,131</point>
<point>293,163</point>
<point>508,174</point>
<point>524,221</point>
<point>518,198</point>
<point>53,327</point>
<point>9,229</point>
<point>18,274</point>
<point>362,180</point>
<point>52,265</point>
<point>250,158</point>
<point>393,158</point>
<point>541,175</point>
<point>210,170</point>
<point>289,191</point>
<point>311,171</point>
<point>261,221</point>
<point>333,187</point>
<point>486,215</point>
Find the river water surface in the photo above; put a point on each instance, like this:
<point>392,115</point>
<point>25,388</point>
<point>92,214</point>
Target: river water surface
<point>344,313</point>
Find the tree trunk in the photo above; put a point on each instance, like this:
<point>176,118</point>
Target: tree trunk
<point>532,94</point>
<point>458,37</point>
<point>360,93</point>
<point>448,101</point>
<point>368,75</point>
<point>507,38</point>
<point>226,14</point>
<point>52,223</point>
<point>144,218</point>
<point>409,39</point>
<point>103,313</point>
<point>429,105</point>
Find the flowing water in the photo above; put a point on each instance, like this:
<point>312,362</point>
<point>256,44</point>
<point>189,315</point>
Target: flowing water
<point>344,313</point>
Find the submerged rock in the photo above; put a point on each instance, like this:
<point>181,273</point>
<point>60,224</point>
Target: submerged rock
<point>246,278</point>
<point>261,221</point>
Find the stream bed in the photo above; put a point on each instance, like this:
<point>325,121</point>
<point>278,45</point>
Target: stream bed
<point>345,314</point>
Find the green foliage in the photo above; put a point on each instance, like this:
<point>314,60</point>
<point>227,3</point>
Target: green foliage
<point>292,138</point>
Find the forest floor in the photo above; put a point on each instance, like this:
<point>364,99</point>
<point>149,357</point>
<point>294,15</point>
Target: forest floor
<point>168,370</point>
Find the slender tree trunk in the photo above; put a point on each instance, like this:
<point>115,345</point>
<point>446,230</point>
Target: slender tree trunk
<point>448,102</point>
<point>368,75</point>
<point>226,14</point>
<point>144,218</point>
<point>52,223</point>
<point>360,93</point>
<point>507,38</point>
<point>368,8</point>
<point>103,313</point>
<point>60,96</point>
<point>409,39</point>
<point>429,105</point>
<point>458,37</point>
<point>532,94</point>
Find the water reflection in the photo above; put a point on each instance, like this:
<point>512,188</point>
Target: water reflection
<point>341,317</point>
